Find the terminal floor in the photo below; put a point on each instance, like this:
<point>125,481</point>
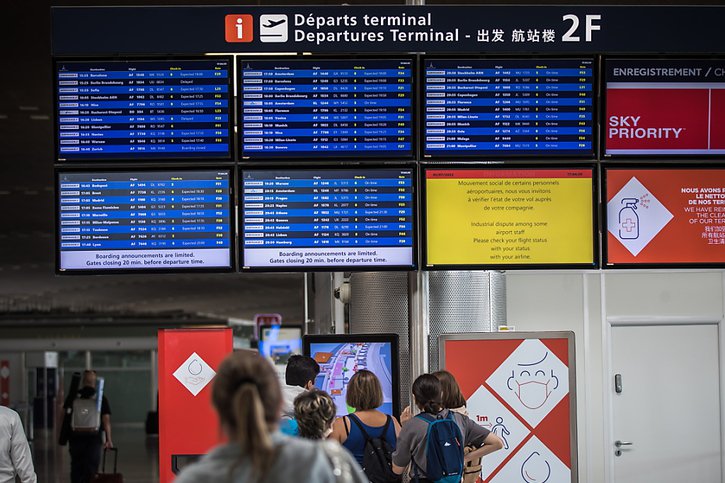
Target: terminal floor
<point>137,457</point>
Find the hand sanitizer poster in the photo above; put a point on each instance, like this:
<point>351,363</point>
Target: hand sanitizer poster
<point>659,216</point>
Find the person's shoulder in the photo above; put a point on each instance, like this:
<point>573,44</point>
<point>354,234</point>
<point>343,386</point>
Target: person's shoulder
<point>9,414</point>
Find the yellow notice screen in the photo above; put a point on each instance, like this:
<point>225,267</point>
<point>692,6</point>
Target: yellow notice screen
<point>509,217</point>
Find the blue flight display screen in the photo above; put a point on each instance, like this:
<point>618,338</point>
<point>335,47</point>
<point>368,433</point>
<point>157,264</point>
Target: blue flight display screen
<point>352,218</point>
<point>313,108</point>
<point>144,220</point>
<point>486,107</point>
<point>143,109</point>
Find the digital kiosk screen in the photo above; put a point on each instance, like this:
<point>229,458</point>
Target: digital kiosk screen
<point>341,356</point>
<point>485,107</point>
<point>144,220</point>
<point>278,342</point>
<point>664,107</point>
<point>301,219</point>
<point>143,109</point>
<point>515,218</point>
<point>661,216</point>
<point>322,107</point>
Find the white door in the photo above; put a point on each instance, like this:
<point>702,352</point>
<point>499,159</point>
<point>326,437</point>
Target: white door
<point>669,405</point>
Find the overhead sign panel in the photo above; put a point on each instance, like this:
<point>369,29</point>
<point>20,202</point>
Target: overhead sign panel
<point>388,28</point>
<point>505,217</point>
<point>665,216</point>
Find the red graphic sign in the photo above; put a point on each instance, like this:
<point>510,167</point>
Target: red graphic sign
<point>4,383</point>
<point>188,424</point>
<point>238,28</point>
<point>520,391</point>
<point>665,216</point>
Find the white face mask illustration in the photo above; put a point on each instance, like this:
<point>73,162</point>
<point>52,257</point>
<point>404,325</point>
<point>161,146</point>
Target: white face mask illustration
<point>532,385</point>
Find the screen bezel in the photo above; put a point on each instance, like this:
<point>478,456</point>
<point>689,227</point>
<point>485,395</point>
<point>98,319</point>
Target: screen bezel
<point>230,156</point>
<point>389,338</point>
<point>505,167</point>
<point>587,157</point>
<point>605,227</point>
<point>102,169</point>
<point>315,157</point>
<point>319,167</point>
<point>638,158</point>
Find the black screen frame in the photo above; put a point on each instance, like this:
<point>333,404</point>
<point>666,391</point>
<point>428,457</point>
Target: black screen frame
<point>337,167</point>
<point>545,157</point>
<point>316,157</point>
<point>211,157</point>
<point>298,327</point>
<point>121,169</point>
<point>506,167</point>
<point>389,338</point>
<point>605,221</point>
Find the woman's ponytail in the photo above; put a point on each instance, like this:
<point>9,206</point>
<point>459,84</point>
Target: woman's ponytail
<point>252,433</point>
<point>428,393</point>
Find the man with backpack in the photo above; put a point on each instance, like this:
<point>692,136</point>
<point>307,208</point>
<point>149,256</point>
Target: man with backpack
<point>433,442</point>
<point>91,415</point>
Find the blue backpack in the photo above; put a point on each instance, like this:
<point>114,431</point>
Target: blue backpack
<point>444,449</point>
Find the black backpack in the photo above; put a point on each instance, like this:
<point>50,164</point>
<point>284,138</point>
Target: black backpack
<point>377,455</point>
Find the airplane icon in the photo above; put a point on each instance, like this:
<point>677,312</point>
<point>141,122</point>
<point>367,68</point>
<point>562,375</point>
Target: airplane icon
<point>272,23</point>
<point>273,28</point>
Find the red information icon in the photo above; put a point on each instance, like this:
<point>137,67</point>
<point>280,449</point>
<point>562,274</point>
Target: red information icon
<point>239,28</point>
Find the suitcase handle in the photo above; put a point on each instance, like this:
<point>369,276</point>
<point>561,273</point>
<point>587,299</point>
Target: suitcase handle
<point>115,460</point>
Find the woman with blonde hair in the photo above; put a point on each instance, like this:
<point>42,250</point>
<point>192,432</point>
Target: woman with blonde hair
<point>248,398</point>
<point>315,412</point>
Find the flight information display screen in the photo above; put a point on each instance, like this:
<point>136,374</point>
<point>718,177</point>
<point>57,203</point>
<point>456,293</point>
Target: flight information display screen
<point>480,107</point>
<point>665,107</point>
<point>143,109</point>
<point>510,217</point>
<point>341,356</point>
<point>144,220</point>
<point>305,219</point>
<point>308,108</point>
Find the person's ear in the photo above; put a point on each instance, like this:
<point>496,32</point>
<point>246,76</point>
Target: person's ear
<point>310,385</point>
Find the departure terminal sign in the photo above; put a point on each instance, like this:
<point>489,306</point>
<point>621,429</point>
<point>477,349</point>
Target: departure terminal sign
<point>144,220</point>
<point>143,109</point>
<point>665,107</point>
<point>314,108</point>
<point>509,217</point>
<point>358,219</point>
<point>484,107</point>
<point>663,216</point>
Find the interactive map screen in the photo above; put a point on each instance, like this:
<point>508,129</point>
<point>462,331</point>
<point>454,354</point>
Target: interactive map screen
<point>340,360</point>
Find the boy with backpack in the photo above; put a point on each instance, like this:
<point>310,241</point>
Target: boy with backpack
<point>433,442</point>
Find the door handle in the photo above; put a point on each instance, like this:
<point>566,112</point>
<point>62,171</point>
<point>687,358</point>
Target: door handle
<point>619,444</point>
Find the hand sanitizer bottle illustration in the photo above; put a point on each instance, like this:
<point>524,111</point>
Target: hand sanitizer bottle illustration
<point>628,220</point>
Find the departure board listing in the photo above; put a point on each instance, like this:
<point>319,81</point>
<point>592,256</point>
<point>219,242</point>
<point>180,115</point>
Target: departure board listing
<point>312,108</point>
<point>495,217</point>
<point>665,216</point>
<point>665,107</point>
<point>144,220</point>
<point>476,107</point>
<point>143,109</point>
<point>359,218</point>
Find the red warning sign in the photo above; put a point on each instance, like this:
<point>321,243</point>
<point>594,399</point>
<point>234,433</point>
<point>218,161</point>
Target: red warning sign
<point>520,391</point>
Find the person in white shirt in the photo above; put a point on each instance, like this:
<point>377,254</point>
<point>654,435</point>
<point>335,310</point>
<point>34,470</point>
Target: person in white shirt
<point>15,456</point>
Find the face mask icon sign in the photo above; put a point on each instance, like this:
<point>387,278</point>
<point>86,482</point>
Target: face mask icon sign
<point>533,383</point>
